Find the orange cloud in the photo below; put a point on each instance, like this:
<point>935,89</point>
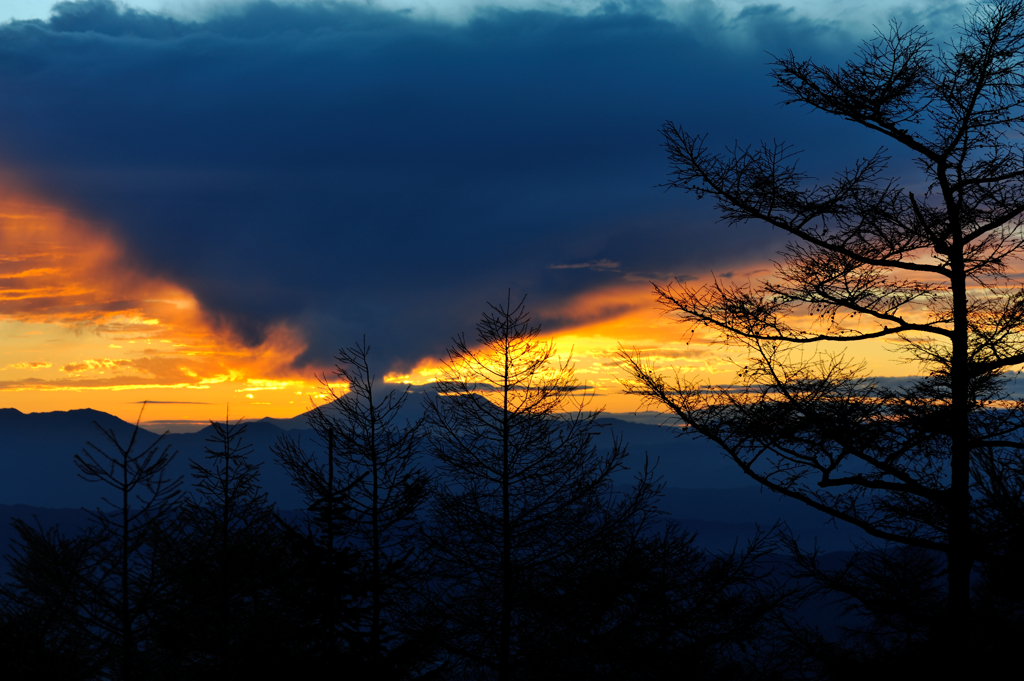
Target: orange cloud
<point>82,321</point>
<point>29,365</point>
<point>596,324</point>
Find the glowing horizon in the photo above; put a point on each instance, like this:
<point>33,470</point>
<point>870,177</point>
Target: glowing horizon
<point>72,339</point>
<point>83,327</point>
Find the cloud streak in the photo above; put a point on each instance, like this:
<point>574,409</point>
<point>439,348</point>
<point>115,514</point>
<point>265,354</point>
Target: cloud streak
<point>603,265</point>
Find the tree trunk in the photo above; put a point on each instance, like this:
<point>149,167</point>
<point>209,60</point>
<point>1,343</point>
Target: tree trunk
<point>127,642</point>
<point>504,652</point>
<point>375,625</point>
<point>959,554</point>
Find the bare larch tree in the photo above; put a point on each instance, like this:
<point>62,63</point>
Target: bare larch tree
<point>870,259</point>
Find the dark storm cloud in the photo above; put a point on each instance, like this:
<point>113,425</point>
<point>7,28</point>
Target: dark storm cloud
<point>357,171</point>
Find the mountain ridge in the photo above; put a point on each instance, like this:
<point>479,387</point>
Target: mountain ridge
<point>704,491</point>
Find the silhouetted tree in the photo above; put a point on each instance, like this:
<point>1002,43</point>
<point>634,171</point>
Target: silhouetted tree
<point>43,633</point>
<point>886,599</point>
<point>124,581</point>
<point>327,575</point>
<point>872,259</point>
<point>521,487</point>
<point>224,561</point>
<point>647,603</point>
<point>387,491</point>
<point>228,503</point>
<point>999,603</point>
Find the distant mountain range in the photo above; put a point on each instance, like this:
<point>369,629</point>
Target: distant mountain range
<point>704,492</point>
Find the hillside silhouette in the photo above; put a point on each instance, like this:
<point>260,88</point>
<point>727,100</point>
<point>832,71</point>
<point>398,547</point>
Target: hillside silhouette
<point>702,490</point>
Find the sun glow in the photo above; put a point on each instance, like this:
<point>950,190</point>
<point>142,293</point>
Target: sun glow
<point>82,326</point>
<point>598,324</point>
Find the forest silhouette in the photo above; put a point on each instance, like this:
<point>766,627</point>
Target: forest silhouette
<point>488,538</point>
<point>516,557</point>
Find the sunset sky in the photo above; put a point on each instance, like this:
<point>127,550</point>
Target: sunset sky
<point>200,202</point>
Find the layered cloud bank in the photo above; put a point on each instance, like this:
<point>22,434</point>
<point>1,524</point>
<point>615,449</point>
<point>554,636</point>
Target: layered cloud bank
<point>279,179</point>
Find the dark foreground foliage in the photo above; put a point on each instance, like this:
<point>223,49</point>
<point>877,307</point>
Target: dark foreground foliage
<point>515,559</point>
